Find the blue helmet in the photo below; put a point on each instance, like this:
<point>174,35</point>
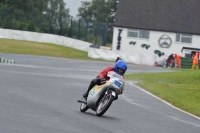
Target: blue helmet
<point>120,67</point>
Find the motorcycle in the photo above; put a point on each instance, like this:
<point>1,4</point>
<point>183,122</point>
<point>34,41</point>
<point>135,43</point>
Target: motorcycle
<point>171,63</point>
<point>100,97</point>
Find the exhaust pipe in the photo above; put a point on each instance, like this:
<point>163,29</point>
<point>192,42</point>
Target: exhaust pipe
<point>80,101</point>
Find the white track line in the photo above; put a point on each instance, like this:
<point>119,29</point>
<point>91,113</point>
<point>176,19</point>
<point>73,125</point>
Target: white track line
<point>51,68</point>
<point>164,101</point>
<point>132,102</point>
<point>183,121</point>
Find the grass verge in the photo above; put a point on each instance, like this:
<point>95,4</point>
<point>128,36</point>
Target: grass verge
<point>41,49</point>
<point>182,89</point>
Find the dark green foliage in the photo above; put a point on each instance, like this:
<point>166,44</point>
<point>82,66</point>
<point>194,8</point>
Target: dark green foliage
<point>100,15</point>
<point>33,15</point>
<point>93,24</point>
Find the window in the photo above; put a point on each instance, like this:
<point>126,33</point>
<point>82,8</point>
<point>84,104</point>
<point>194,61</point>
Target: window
<point>184,38</point>
<point>138,33</point>
<point>188,55</point>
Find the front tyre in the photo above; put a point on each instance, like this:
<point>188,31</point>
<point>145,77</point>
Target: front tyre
<point>83,106</point>
<point>104,104</point>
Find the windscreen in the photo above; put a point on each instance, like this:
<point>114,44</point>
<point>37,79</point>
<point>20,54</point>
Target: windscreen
<point>114,74</point>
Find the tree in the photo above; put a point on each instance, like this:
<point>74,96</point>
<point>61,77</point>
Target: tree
<point>33,15</point>
<point>63,16</point>
<point>98,12</point>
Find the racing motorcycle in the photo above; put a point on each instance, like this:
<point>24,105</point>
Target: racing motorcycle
<point>100,97</point>
<point>171,63</point>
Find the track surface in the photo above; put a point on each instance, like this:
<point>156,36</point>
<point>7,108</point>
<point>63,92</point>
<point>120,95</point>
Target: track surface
<point>39,95</point>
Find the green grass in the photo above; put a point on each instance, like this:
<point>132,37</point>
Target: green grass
<point>182,88</point>
<point>42,49</point>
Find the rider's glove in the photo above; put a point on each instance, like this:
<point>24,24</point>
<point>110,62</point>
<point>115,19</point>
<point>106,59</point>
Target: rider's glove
<point>121,91</point>
<point>103,80</point>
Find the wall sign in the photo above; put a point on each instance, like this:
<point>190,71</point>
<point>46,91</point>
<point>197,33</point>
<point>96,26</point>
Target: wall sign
<point>165,41</point>
<point>119,39</point>
<point>145,46</point>
<point>132,42</point>
<point>159,53</point>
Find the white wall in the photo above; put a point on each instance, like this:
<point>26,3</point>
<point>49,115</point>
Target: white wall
<point>46,38</point>
<point>153,42</point>
<point>136,58</point>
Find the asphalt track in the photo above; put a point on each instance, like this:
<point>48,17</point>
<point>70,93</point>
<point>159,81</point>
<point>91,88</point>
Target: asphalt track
<point>39,95</point>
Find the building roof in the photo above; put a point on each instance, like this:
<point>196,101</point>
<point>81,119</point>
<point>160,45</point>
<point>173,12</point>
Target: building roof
<point>181,16</point>
<point>189,48</point>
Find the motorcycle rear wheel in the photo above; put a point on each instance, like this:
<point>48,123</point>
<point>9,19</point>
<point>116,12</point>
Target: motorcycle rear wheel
<point>83,106</point>
<point>104,104</point>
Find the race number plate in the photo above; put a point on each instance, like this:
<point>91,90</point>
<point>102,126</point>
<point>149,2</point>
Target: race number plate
<point>117,83</point>
<point>91,93</point>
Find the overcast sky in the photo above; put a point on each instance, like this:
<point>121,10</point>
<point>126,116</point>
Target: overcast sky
<point>73,5</point>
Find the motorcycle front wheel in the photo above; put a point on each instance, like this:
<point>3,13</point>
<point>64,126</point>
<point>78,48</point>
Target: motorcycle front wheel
<point>83,106</point>
<point>104,104</point>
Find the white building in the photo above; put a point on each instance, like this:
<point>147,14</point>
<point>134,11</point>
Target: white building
<point>157,27</point>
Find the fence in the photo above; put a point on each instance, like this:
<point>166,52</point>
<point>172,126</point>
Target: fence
<point>187,63</point>
<point>92,31</point>
<point>86,30</point>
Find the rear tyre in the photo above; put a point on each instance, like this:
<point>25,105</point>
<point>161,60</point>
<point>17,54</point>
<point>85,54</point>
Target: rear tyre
<point>83,106</point>
<point>104,104</point>
<point>173,65</point>
<point>165,64</point>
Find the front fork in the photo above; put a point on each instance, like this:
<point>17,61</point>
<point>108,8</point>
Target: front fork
<point>113,94</point>
<point>107,92</point>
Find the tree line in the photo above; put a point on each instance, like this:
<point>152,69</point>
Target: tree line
<point>53,16</point>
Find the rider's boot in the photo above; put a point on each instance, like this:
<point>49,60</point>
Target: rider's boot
<point>92,84</point>
<point>85,95</point>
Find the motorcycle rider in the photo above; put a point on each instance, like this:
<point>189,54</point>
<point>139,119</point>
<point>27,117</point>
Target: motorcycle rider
<point>118,58</point>
<point>171,57</point>
<point>120,68</point>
